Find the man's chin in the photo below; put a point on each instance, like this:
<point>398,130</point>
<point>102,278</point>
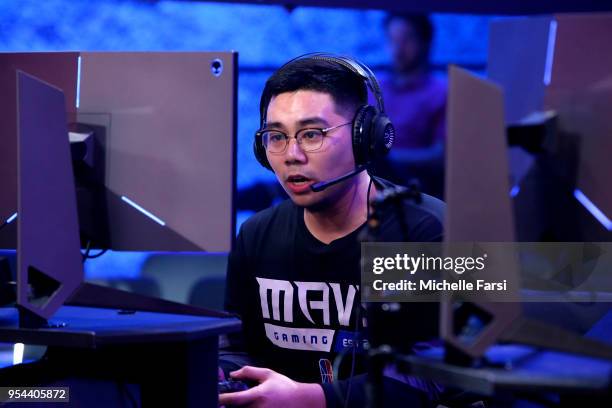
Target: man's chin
<point>302,200</point>
<point>311,203</point>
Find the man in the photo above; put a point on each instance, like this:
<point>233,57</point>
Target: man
<point>415,102</point>
<point>294,274</point>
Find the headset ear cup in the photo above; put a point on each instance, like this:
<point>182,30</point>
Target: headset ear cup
<point>362,132</point>
<point>384,136</point>
<point>260,152</point>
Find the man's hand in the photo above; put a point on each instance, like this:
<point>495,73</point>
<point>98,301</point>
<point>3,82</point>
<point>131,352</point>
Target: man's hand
<point>274,390</point>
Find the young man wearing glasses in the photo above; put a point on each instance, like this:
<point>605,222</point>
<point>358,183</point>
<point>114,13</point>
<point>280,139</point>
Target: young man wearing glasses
<point>294,274</point>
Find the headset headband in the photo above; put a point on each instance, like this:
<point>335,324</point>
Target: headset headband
<point>355,66</point>
<point>349,63</point>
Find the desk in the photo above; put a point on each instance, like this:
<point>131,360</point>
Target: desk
<point>516,369</point>
<point>172,356</point>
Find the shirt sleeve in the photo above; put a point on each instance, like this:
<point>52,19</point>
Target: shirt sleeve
<point>428,226</point>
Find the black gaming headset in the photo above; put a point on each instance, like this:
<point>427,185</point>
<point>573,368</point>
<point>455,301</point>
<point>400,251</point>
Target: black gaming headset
<point>373,132</point>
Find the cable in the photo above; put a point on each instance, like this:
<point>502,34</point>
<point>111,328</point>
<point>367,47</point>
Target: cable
<point>99,254</point>
<point>86,255</point>
<point>124,391</point>
<point>356,341</point>
<point>336,371</point>
<point>357,338</point>
<point>368,198</point>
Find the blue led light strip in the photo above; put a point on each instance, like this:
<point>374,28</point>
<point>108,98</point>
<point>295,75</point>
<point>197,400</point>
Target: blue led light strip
<point>550,52</point>
<point>11,218</point>
<point>592,208</point>
<point>142,210</point>
<point>78,89</point>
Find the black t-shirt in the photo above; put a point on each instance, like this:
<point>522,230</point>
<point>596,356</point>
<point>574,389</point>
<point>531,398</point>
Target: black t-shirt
<point>298,296</point>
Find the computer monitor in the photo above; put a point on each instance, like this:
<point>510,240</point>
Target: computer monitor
<point>559,64</point>
<point>477,197</point>
<point>164,127</point>
<point>158,172</point>
<point>159,169</point>
<point>557,190</point>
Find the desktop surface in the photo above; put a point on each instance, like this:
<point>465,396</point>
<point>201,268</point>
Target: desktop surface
<point>90,327</point>
<point>172,357</point>
<point>519,368</point>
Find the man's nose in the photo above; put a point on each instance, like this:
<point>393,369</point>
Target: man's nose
<point>294,151</point>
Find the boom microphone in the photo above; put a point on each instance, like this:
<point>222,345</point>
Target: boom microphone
<point>322,185</point>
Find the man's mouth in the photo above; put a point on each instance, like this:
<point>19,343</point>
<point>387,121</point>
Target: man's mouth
<point>298,179</point>
<point>298,183</point>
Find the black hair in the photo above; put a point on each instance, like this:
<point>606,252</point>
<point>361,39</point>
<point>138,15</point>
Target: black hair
<point>347,88</point>
<point>420,22</point>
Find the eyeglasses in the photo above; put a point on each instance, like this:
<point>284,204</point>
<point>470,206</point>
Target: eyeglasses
<point>309,139</point>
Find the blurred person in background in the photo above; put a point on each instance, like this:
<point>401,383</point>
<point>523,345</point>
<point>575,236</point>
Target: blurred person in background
<point>415,100</point>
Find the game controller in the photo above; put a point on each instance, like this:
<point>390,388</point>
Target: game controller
<point>231,386</point>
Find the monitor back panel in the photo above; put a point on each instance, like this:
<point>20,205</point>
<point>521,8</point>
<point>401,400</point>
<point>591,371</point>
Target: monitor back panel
<point>561,63</point>
<point>48,234</point>
<point>478,200</point>
<point>169,143</point>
